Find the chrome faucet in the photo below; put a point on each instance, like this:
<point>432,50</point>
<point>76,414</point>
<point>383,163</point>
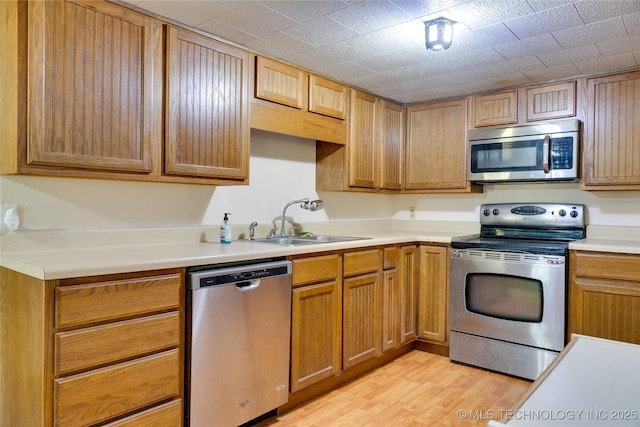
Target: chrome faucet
<point>305,204</point>
<point>252,229</point>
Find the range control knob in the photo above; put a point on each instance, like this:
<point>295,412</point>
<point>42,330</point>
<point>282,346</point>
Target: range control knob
<point>496,212</point>
<point>486,212</point>
<point>574,214</point>
<point>562,213</point>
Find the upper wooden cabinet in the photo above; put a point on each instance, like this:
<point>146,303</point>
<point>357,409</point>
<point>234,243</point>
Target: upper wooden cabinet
<point>291,101</point>
<point>495,109</point>
<point>523,105</point>
<point>551,101</point>
<point>291,86</point>
<point>207,107</point>
<point>611,154</point>
<point>436,157</point>
<point>363,125</point>
<point>87,110</point>
<point>391,140</point>
<point>85,91</point>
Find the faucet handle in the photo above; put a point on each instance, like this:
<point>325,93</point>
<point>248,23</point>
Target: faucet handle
<point>292,231</point>
<point>272,233</point>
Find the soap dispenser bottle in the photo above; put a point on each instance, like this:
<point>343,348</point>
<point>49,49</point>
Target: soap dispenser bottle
<point>225,229</point>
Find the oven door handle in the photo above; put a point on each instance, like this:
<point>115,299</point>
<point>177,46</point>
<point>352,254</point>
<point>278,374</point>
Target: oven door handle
<point>546,153</point>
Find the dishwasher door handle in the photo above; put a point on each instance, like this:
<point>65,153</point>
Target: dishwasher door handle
<point>248,285</point>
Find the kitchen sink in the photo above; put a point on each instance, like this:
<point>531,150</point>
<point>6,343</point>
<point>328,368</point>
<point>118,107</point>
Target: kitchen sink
<point>310,240</point>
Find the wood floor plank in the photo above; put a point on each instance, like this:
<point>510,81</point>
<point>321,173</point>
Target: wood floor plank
<point>416,390</point>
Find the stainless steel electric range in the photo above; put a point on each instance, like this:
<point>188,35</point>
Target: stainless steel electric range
<point>508,287</point>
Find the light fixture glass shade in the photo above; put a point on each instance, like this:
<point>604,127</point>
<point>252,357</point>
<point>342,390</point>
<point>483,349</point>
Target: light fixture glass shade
<point>439,33</point>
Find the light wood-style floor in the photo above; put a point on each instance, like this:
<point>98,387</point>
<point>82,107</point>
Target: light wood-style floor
<point>417,389</point>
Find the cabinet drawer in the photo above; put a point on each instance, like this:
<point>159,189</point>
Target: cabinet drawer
<point>104,301</point>
<point>169,414</point>
<point>105,393</point>
<point>607,266</point>
<point>390,258</point>
<point>95,346</point>
<point>362,262</point>
<point>316,269</point>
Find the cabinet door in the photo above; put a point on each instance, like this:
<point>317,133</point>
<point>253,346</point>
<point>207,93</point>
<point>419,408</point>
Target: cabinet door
<point>390,310</point>
<point>551,101</point>
<point>281,83</point>
<point>316,333</point>
<point>604,295</point>
<point>495,108</point>
<point>433,294</point>
<point>363,162</point>
<point>207,116</point>
<point>407,278</point>
<point>436,157</point>
<point>361,319</point>
<point>611,156</point>
<point>94,73</point>
<point>327,97</point>
<point>391,145</point>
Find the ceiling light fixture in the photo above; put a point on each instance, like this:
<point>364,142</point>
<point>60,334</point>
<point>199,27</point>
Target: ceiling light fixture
<point>439,33</point>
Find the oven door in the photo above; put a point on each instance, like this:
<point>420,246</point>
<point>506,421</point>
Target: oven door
<point>509,296</point>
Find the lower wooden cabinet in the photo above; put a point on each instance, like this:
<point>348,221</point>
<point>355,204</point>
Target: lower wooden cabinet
<point>316,320</point>
<point>433,294</point>
<point>361,301</point>
<point>604,295</point>
<point>93,350</point>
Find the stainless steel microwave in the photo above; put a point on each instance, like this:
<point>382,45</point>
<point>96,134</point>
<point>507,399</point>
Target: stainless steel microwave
<point>542,152</point>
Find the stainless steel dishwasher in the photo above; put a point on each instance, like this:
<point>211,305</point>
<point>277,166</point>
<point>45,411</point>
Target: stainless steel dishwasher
<point>238,330</point>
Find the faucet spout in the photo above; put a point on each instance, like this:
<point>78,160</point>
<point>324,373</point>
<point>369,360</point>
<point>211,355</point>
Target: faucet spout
<point>284,213</point>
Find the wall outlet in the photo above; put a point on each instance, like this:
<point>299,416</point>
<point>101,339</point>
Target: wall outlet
<point>412,212</point>
<point>9,218</point>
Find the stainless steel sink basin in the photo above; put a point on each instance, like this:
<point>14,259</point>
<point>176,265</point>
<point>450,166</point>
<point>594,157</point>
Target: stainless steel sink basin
<point>310,240</point>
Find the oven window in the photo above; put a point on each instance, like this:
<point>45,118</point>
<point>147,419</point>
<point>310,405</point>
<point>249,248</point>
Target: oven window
<point>504,297</point>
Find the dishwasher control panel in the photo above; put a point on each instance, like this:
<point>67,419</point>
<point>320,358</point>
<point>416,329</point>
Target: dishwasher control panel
<point>213,277</point>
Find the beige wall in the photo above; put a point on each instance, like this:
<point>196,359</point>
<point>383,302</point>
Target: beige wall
<point>282,169</point>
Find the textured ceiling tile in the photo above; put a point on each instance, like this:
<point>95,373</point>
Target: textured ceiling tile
<point>485,13</point>
<point>321,31</point>
<point>546,21</point>
<point>599,65</point>
<point>592,11</point>
<point>303,11</point>
<point>552,73</point>
<point>279,45</point>
<point>565,56</point>
<point>369,16</point>
<point>342,72</point>
<point>488,36</point>
<point>188,12</point>
<point>619,45</point>
<point>384,40</point>
<point>590,33</point>
<point>540,5</point>
<point>423,8</point>
<point>384,62</point>
<point>531,46</point>
<point>305,60</point>
<point>221,29</point>
<point>335,54</point>
<point>632,23</point>
<point>257,20</point>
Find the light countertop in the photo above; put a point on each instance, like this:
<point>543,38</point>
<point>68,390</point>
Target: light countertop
<point>57,254</point>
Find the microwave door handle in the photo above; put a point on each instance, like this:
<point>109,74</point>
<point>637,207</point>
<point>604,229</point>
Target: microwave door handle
<point>545,153</point>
